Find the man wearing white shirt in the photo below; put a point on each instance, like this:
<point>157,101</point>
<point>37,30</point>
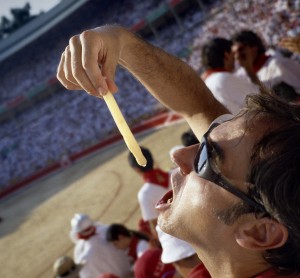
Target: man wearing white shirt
<point>93,251</point>
<point>218,61</point>
<point>271,71</point>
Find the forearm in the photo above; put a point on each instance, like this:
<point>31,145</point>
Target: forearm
<point>89,63</point>
<point>170,80</point>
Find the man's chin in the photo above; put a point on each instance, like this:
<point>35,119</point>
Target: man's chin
<point>166,225</point>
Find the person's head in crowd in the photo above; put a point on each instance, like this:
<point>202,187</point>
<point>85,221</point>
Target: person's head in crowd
<point>237,195</point>
<point>285,92</point>
<point>140,169</point>
<point>177,252</point>
<point>247,45</point>
<point>82,227</point>
<point>149,265</point>
<point>188,138</point>
<point>217,54</point>
<point>121,237</point>
<point>65,267</point>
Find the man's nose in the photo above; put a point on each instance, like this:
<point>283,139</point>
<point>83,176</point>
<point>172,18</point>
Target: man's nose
<point>185,157</point>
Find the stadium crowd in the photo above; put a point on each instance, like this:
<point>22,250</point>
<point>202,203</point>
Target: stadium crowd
<point>25,137</point>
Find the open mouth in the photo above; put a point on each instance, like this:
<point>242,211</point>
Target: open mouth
<point>167,199</point>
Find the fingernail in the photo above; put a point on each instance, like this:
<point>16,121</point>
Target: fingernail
<point>102,91</point>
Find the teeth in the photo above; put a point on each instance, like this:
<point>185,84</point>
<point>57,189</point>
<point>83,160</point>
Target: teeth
<point>170,201</point>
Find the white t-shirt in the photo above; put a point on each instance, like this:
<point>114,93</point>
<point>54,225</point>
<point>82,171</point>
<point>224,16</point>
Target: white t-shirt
<point>100,256</point>
<point>148,196</point>
<point>278,69</point>
<point>229,89</point>
<point>142,246</point>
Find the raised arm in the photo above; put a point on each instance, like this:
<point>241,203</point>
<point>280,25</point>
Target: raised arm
<point>89,62</point>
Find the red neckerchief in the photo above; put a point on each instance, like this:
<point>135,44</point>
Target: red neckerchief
<point>207,73</point>
<point>271,273</point>
<point>86,237</point>
<point>157,176</point>
<point>259,62</point>
<point>132,248</point>
<point>199,271</point>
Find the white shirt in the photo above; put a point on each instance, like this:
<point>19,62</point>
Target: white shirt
<point>278,69</point>
<point>229,89</point>
<point>142,246</point>
<point>148,196</point>
<point>100,256</point>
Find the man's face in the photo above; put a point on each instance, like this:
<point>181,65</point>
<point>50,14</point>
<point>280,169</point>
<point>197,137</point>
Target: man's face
<point>229,61</point>
<point>193,214</point>
<point>244,53</point>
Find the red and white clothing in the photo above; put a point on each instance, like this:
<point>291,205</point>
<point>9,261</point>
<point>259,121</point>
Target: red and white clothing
<point>136,248</point>
<point>272,70</point>
<point>100,256</point>
<point>155,186</point>
<point>229,89</point>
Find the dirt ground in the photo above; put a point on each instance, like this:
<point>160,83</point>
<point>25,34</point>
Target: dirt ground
<point>36,221</point>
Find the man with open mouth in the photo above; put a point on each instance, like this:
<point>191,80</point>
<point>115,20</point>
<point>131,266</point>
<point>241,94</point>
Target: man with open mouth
<point>235,196</point>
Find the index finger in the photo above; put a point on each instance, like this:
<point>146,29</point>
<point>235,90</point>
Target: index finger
<point>91,55</point>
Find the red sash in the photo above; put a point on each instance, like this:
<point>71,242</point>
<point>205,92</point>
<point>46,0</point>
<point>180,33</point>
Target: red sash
<point>132,248</point>
<point>158,177</point>
<point>86,237</point>
<point>259,62</point>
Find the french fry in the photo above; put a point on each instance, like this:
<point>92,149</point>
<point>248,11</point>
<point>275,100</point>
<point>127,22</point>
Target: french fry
<point>123,127</point>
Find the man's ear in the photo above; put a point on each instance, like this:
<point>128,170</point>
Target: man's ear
<point>261,234</point>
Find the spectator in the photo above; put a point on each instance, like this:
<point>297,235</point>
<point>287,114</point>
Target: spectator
<point>250,52</point>
<point>218,62</point>
<point>92,249</point>
<point>156,184</point>
<point>235,198</point>
<point>188,138</point>
<point>65,267</point>
<point>133,242</point>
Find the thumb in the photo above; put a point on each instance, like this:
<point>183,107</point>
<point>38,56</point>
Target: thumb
<point>108,71</point>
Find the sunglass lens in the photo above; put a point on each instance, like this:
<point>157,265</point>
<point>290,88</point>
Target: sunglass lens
<point>201,159</point>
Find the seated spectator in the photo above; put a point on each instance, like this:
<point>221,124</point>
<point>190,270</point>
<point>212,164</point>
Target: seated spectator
<point>218,62</point>
<point>93,250</point>
<point>133,242</point>
<point>156,184</point>
<point>65,267</point>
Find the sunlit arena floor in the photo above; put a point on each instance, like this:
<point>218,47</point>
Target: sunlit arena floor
<point>36,220</point>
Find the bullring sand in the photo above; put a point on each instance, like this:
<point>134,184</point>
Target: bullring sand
<point>36,220</point>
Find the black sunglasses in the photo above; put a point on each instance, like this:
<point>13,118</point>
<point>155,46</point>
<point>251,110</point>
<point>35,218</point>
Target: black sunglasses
<point>205,169</point>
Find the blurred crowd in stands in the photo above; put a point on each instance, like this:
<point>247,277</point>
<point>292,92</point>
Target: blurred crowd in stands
<point>67,123</point>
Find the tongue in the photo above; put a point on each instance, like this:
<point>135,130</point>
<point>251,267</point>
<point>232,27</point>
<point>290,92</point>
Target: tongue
<point>166,197</point>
